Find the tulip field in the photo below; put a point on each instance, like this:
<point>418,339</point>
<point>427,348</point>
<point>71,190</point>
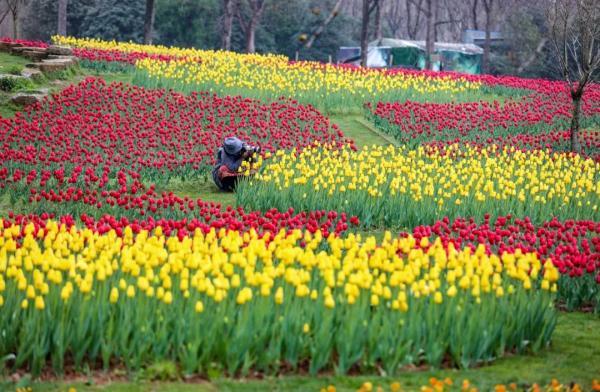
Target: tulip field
<point>461,244</point>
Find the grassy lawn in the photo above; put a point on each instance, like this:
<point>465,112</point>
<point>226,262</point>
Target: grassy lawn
<point>573,357</point>
<point>10,63</point>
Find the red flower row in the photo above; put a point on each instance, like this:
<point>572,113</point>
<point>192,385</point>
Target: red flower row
<point>117,125</point>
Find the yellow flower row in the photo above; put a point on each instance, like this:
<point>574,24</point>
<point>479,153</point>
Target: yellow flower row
<point>274,73</point>
<point>228,264</point>
<point>465,179</point>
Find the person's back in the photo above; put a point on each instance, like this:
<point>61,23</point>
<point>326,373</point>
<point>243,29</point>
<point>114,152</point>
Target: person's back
<point>229,160</point>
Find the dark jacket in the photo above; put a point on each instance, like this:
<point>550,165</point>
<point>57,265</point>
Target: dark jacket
<point>233,163</point>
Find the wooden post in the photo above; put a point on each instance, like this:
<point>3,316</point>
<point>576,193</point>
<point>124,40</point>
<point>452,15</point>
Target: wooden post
<point>391,60</point>
<point>329,59</point>
<point>297,54</point>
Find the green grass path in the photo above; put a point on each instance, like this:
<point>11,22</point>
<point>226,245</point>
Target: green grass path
<point>361,130</point>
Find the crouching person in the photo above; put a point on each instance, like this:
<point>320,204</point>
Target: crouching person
<point>230,156</point>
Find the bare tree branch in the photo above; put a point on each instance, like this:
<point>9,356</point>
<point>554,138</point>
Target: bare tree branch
<point>319,30</point>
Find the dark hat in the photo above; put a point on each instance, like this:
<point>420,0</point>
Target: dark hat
<point>233,145</point>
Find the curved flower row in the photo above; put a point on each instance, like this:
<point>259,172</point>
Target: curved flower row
<point>225,297</point>
<point>399,187</point>
<point>536,121</point>
<point>94,123</point>
<point>209,216</point>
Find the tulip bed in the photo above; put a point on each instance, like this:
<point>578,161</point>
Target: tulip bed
<point>101,149</point>
<point>399,187</point>
<point>573,246</point>
<point>104,266</point>
<point>264,302</point>
<point>539,120</point>
<point>331,88</point>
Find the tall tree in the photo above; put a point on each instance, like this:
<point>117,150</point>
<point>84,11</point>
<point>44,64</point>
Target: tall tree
<point>429,10</point>
<point>14,7</point>
<point>413,17</point>
<point>62,17</point>
<point>394,18</point>
<point>488,7</point>
<point>575,34</point>
<point>474,14</point>
<point>368,6</point>
<point>250,22</point>
<point>378,27</point>
<point>114,19</point>
<point>227,23</point>
<point>149,21</point>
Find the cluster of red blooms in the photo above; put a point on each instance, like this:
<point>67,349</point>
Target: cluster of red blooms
<point>98,145</point>
<point>573,246</point>
<point>230,218</point>
<point>126,126</point>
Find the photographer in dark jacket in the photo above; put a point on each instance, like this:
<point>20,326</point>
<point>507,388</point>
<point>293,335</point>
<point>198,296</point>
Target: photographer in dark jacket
<point>229,159</point>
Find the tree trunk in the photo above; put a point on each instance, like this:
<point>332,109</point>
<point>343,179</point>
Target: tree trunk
<point>16,23</point>
<point>487,5</point>
<point>429,44</point>
<point>378,28</point>
<point>250,36</point>
<point>364,33</point>
<point>62,17</point>
<point>576,96</point>
<point>149,21</point>
<point>227,24</point>
<point>474,15</point>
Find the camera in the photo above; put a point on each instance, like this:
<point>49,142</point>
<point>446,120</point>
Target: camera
<point>252,149</point>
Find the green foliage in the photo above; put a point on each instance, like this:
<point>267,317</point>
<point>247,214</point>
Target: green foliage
<point>162,371</point>
<point>524,31</point>
<point>187,23</point>
<point>195,23</point>
<point>284,23</point>
<point>10,84</point>
<point>14,69</point>
<point>115,20</point>
<point>40,23</point>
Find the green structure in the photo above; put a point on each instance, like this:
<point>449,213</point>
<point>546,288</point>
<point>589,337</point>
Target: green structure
<point>459,57</point>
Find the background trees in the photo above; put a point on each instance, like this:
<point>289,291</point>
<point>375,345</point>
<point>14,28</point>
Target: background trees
<point>312,29</point>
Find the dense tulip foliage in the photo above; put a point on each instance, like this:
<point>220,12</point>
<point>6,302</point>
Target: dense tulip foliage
<point>210,216</point>
<point>398,187</point>
<point>153,131</point>
<point>244,301</point>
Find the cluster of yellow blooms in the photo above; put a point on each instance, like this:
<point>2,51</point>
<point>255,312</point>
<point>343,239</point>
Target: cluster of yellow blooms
<point>237,266</point>
<point>447,384</point>
<point>274,73</point>
<point>463,178</point>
